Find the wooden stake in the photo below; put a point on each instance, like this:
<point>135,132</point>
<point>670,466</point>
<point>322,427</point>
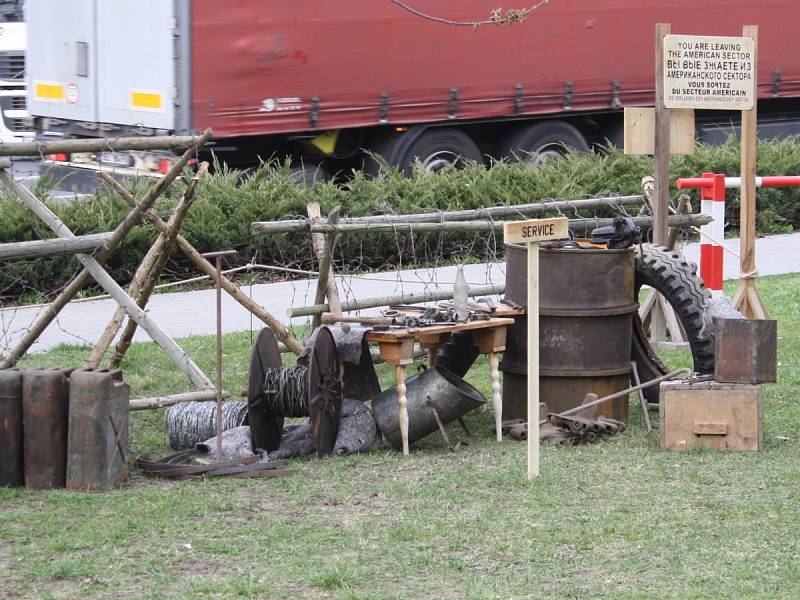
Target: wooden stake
<point>402,405</point>
<point>533,360</point>
<point>746,300</point>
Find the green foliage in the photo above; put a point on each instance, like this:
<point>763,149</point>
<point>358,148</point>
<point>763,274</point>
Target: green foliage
<point>229,201</point>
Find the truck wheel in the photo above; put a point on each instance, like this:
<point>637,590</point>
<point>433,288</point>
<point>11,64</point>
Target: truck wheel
<point>670,273</point>
<point>307,174</point>
<point>541,141</point>
<point>437,148</point>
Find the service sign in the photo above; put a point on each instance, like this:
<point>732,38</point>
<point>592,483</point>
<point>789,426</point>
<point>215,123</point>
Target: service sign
<point>709,72</point>
<point>535,230</point>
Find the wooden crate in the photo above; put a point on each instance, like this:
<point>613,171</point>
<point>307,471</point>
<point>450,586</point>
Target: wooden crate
<point>724,416</point>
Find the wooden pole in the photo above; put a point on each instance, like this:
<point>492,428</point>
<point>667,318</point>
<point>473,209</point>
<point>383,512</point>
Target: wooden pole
<point>82,244</point>
<point>40,148</point>
<point>407,298</point>
<point>747,300</point>
<point>281,332</point>
<point>661,207</point>
<point>658,330</point>
<point>491,212</point>
<point>162,401</point>
<point>579,226</point>
<point>145,279</point>
<point>533,360</point>
<point>130,221</point>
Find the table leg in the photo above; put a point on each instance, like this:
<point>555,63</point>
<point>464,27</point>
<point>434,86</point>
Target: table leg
<point>400,371</point>
<point>497,398</point>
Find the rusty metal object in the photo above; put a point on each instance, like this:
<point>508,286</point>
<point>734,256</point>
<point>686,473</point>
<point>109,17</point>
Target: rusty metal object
<point>587,307</point>
<point>45,401</point>
<point>179,466</point>
<point>97,439</point>
<point>452,396</point>
<point>266,428</point>
<point>12,473</point>
<point>324,391</point>
<point>746,350</point>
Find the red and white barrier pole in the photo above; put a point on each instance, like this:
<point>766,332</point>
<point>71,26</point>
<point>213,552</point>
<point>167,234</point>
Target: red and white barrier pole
<point>711,253</point>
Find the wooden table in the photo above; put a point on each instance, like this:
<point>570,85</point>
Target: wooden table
<point>397,347</point>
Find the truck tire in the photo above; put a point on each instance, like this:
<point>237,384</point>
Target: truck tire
<point>439,147</point>
<point>540,141</point>
<point>676,279</point>
<point>307,174</point>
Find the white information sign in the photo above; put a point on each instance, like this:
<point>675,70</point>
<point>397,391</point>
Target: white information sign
<point>709,72</point>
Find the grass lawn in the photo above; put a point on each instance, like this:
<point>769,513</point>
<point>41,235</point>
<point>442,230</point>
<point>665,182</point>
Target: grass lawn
<point>619,519</point>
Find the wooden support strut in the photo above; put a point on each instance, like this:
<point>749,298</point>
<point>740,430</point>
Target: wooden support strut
<point>105,280</point>
<point>280,331</point>
<point>130,221</point>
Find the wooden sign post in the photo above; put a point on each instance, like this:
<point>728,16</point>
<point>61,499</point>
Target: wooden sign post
<point>531,233</point>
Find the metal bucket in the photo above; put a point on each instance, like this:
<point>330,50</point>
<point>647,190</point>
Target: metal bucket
<point>45,401</point>
<point>97,448</point>
<point>12,472</point>
<point>452,396</point>
<point>586,314</point>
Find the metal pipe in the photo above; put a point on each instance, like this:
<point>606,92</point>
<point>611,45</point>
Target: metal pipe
<point>619,394</point>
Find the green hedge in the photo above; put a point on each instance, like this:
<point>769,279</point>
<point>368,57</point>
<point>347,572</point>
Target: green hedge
<point>229,201</point>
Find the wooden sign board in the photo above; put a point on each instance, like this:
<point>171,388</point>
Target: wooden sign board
<point>640,131</point>
<point>709,72</point>
<point>535,230</point>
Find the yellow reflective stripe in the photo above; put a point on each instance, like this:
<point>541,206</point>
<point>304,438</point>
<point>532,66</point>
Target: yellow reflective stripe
<point>49,91</point>
<point>146,100</point>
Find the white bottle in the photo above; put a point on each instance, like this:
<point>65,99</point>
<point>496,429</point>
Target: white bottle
<point>460,296</point>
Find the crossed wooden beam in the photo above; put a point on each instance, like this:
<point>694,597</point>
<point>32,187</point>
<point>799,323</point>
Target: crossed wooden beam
<point>130,303</point>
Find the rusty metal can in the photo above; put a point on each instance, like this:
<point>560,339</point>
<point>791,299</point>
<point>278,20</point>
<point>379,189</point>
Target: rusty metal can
<point>12,472</point>
<point>97,449</point>
<point>45,400</point>
<point>745,350</point>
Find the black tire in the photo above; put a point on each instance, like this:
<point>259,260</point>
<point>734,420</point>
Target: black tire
<point>536,142</point>
<point>676,279</point>
<point>440,146</point>
<point>307,174</point>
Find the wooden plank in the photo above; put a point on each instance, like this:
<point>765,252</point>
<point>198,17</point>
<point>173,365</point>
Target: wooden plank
<point>711,415</point>
<point>640,131</point>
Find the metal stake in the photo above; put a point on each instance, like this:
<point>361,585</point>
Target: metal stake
<point>218,285</point>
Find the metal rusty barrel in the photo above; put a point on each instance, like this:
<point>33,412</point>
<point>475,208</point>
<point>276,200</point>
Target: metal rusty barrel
<point>586,308</point>
<point>12,472</point>
<point>97,449</point>
<point>45,400</point>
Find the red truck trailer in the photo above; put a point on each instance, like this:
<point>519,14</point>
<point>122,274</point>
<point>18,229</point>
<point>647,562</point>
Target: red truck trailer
<point>324,81</point>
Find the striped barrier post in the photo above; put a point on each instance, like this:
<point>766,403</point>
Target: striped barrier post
<point>712,201</point>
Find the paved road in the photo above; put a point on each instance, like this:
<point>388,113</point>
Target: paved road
<point>192,313</point>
